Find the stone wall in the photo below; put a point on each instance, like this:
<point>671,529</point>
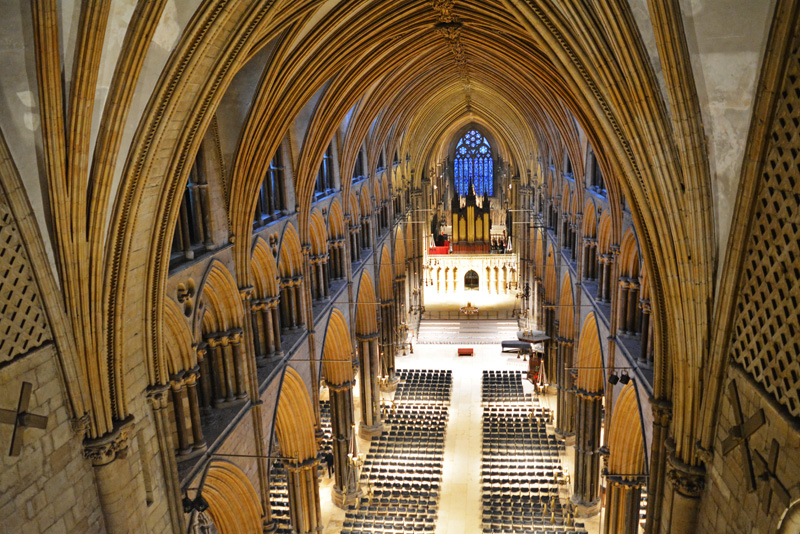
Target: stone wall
<point>49,488</point>
<point>728,504</point>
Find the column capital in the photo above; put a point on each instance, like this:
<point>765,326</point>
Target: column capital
<point>107,448</point>
<point>247,292</point>
<point>158,396</point>
<point>688,480</point>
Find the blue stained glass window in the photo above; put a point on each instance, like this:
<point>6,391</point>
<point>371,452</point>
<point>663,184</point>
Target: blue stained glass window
<point>473,163</point>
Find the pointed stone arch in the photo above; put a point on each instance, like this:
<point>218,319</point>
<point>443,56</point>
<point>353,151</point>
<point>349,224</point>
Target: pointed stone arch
<point>233,502</point>
<point>222,306</point>
<point>294,419</point>
<point>337,366</point>
<point>629,255</point>
<point>318,259</point>
<point>294,428</point>
<point>337,352</point>
<point>184,367</point>
<point>589,393</point>
<point>265,271</point>
<point>264,305</point>
<point>180,354</point>
<point>386,276</point>
<point>336,227</point>
<point>369,357</point>
<point>223,370</point>
<point>400,252</point>
<point>319,233</point>
<point>628,292</point>
<point>337,239</point>
<point>290,266</point>
<point>626,464</point>
<point>566,341</point>
<point>290,256</point>
<point>590,358</point>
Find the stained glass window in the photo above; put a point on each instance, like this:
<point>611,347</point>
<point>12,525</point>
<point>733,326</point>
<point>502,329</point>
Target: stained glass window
<point>473,163</point>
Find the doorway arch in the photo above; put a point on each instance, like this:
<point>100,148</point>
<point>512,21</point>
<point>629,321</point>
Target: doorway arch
<point>471,280</point>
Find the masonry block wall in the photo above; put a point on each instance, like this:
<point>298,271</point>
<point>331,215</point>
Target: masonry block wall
<point>729,504</point>
<point>49,488</point>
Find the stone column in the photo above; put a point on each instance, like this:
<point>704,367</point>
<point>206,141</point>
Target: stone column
<point>551,346</point>
<point>662,414</point>
<point>206,386</point>
<point>345,486</point>
<point>228,372</point>
<point>587,457</point>
<point>238,355</point>
<point>645,303</point>
<point>157,398</point>
<point>256,318</point>
<point>178,395</point>
<point>388,330</point>
<point>601,269</point>
<point>198,441</point>
<point>682,489</point>
<point>622,304</point>
<point>326,283</point>
<point>587,269</point>
<point>623,497</point>
<point>632,308</point>
<point>371,424</point>
<point>298,295</point>
<point>115,477</point>
<point>217,370</point>
<point>304,505</point>
<point>276,328</point>
<point>607,272</point>
<point>566,397</point>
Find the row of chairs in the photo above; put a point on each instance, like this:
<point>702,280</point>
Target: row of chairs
<point>403,468</point>
<point>521,467</point>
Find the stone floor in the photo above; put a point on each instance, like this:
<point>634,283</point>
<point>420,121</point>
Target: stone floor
<point>459,506</point>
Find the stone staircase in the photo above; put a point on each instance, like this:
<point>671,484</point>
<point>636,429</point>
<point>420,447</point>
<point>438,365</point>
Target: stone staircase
<point>468,332</point>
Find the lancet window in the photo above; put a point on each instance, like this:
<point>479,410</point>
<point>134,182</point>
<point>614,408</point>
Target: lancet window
<point>473,164</point>
<point>271,197</point>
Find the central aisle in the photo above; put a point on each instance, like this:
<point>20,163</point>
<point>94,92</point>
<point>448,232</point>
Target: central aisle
<point>460,500</point>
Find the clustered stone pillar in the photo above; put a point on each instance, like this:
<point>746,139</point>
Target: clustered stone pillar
<point>336,247</point>
<point>292,303</point>
<point>319,273</point>
<point>158,399</point>
<point>345,486</point>
<point>551,346</point>
<point>115,478</point>
<point>589,258</point>
<point>681,500</point>
<point>646,354</point>
<point>623,496</point>
<point>355,242</point>
<point>565,416</point>
<point>587,456</point>
<point>388,332</point>
<point>371,424</point>
<point>266,329</point>
<point>227,367</point>
<point>399,312</point>
<point>662,414</point>
<point>366,241</point>
<point>304,506</point>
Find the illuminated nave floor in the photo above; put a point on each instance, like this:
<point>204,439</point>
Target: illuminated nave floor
<point>460,498</point>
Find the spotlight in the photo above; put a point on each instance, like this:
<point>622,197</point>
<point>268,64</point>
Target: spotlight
<point>200,504</point>
<point>624,379</point>
<point>613,379</point>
